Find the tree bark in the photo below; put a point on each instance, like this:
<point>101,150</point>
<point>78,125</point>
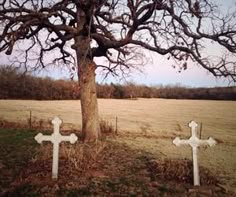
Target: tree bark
<point>86,73</point>
<point>88,99</point>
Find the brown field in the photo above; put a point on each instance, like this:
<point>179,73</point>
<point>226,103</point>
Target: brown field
<point>151,125</point>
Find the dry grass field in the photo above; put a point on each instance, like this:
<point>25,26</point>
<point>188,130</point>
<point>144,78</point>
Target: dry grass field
<point>158,116</point>
<point>151,125</point>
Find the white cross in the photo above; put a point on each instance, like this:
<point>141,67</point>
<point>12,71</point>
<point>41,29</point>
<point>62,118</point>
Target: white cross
<point>194,142</point>
<point>55,138</point>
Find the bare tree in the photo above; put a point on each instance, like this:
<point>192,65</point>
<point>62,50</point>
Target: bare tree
<point>80,30</point>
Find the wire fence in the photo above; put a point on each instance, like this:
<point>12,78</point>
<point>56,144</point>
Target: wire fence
<point>35,120</point>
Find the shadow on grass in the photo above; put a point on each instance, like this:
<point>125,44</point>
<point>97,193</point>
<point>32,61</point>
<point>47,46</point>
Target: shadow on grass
<point>108,168</point>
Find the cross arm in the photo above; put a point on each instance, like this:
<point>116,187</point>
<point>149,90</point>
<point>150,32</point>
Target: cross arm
<point>210,141</point>
<point>72,138</point>
<point>40,138</point>
<point>177,141</point>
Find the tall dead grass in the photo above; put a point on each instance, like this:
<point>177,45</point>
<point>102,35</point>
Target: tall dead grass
<point>80,157</point>
<point>107,127</point>
<point>35,124</point>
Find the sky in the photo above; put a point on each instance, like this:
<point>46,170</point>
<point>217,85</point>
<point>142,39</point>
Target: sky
<point>158,71</point>
<point>161,72</point>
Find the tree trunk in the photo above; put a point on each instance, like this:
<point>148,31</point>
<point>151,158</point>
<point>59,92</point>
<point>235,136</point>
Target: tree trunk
<point>88,99</point>
<point>86,73</point>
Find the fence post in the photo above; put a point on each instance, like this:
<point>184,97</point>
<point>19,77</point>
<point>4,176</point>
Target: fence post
<point>30,120</point>
<point>200,133</point>
<point>116,125</point>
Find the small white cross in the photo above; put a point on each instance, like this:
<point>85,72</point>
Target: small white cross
<point>55,138</point>
<point>194,142</point>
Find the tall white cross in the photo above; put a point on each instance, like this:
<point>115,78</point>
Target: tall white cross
<point>55,138</point>
<point>194,142</point>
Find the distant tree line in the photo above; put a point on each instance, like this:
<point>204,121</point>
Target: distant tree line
<point>133,91</point>
<point>16,85</point>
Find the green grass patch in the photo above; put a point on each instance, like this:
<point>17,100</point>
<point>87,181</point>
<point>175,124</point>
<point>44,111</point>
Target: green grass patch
<point>17,148</point>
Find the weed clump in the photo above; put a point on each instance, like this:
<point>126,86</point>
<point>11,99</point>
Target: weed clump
<point>178,170</point>
<point>74,159</point>
<point>106,127</point>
